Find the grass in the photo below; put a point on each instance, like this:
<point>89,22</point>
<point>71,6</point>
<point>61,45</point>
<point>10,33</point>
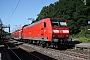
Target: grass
<point>83,39</point>
<point>80,38</point>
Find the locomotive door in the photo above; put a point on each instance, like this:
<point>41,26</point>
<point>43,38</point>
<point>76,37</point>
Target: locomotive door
<point>42,30</point>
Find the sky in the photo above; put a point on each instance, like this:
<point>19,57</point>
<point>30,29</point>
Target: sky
<point>17,12</point>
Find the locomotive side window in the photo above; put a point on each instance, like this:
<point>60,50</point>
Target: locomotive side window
<point>44,24</point>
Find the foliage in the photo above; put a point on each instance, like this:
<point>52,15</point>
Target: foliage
<point>83,39</point>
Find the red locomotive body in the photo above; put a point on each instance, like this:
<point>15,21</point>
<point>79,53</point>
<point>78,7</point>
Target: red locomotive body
<point>48,30</point>
<point>15,34</point>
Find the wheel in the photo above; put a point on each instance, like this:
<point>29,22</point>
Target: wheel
<point>30,41</point>
<point>42,44</point>
<point>56,45</point>
<point>38,43</point>
<point>52,45</point>
<point>47,44</point>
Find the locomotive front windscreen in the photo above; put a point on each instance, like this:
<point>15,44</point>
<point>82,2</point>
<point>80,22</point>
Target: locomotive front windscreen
<point>56,22</point>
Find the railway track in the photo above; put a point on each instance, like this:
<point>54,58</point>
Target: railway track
<point>44,53</point>
<point>19,54</point>
<point>56,54</point>
<point>12,53</point>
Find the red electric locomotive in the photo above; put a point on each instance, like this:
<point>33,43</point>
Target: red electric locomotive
<point>46,32</point>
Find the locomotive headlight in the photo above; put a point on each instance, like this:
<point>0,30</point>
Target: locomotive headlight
<point>65,31</point>
<point>56,31</point>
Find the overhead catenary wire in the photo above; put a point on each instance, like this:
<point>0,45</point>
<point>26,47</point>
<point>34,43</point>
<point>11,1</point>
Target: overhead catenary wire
<point>34,14</point>
<point>35,9</point>
<point>11,11</point>
<point>42,3</point>
<point>14,11</point>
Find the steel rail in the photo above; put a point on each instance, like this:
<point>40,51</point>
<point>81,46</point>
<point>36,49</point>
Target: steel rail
<point>13,52</point>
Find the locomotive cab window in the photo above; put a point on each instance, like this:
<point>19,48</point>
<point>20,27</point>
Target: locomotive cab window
<point>63,23</point>
<point>57,22</point>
